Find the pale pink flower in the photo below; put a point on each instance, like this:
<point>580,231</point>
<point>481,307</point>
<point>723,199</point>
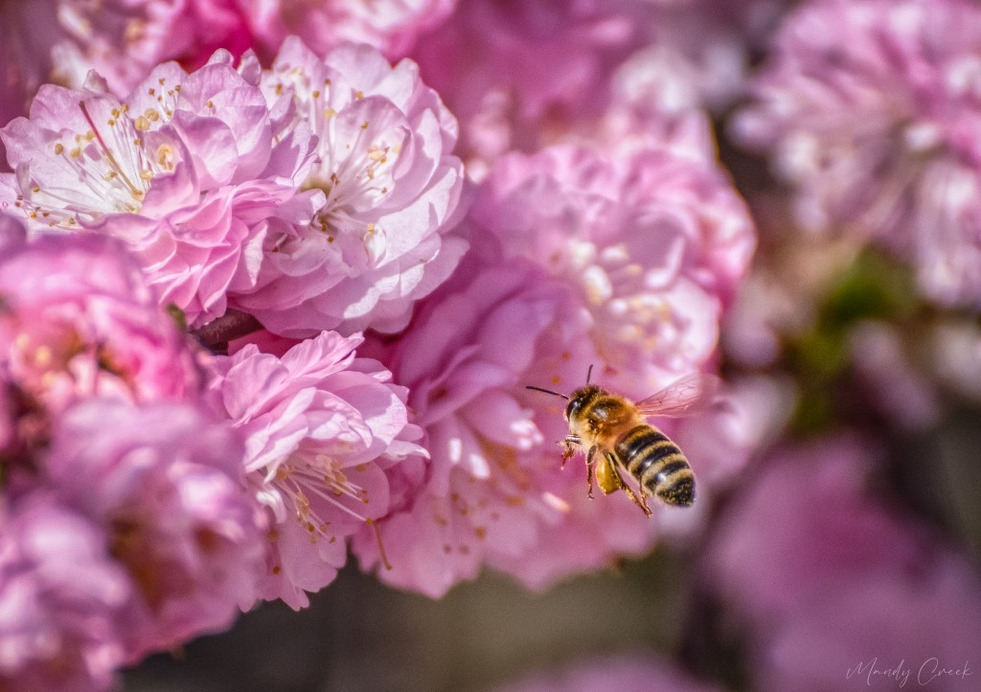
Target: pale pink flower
<point>827,578</point>
<point>164,482</point>
<point>391,26</point>
<point>384,162</point>
<point>60,590</point>
<point>191,170</point>
<point>869,110</point>
<point>654,243</point>
<point>78,320</point>
<point>628,671</point>
<point>322,430</point>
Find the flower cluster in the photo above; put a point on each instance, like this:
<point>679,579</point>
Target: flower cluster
<point>389,184</point>
<point>284,282</point>
<point>291,190</point>
<point>126,525</point>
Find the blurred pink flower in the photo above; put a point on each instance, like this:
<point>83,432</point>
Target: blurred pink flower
<point>380,241</point>
<point>870,110</point>
<point>78,320</point>
<point>654,244</point>
<point>523,70</point>
<point>827,578</point>
<point>164,482</point>
<point>322,431</point>
<point>59,593</point>
<point>191,171</point>
<point>885,366</point>
<point>631,671</point>
<point>391,26</point>
<point>59,41</point>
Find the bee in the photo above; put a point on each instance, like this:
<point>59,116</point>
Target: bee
<point>615,434</point>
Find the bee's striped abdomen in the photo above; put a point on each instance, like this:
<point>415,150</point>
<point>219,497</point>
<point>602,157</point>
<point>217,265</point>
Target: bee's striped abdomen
<point>657,464</point>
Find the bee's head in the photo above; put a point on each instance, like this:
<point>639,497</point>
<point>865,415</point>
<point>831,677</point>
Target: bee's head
<point>578,400</point>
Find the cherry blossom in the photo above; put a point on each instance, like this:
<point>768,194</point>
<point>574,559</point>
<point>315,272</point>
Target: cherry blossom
<point>384,166</point>
<point>655,245</point>
<point>322,430</point>
<point>185,170</point>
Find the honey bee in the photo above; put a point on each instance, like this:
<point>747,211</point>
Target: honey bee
<point>615,433</point>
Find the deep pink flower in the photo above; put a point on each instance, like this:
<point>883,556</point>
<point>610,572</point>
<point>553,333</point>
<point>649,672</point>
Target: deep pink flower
<point>164,483</point>
<point>827,578</point>
<point>378,243</point>
<point>191,170</point>
<point>322,431</point>
<point>391,26</point>
<point>78,320</point>
<point>870,110</point>
<point>60,591</point>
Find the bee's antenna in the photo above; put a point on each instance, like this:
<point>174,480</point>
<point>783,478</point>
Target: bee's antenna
<point>589,373</point>
<point>547,391</point>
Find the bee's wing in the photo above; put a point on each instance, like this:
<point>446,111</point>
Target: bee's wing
<point>686,395</point>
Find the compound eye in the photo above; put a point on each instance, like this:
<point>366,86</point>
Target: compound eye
<point>575,405</point>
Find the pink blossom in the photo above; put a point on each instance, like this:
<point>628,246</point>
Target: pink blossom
<point>869,110</point>
<point>494,492</point>
<point>164,483</point>
<point>826,577</point>
<point>323,429</point>
<point>654,243</point>
<point>380,241</point>
<point>79,321</point>
<point>391,26</point>
<point>630,671</point>
<point>59,592</point>
<point>575,260</point>
<point>185,170</point>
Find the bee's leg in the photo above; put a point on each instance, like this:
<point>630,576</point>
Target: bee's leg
<point>570,442</point>
<point>589,470</point>
<point>589,480</point>
<point>639,501</point>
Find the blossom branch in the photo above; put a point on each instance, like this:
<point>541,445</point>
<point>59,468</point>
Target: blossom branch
<point>234,324</point>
